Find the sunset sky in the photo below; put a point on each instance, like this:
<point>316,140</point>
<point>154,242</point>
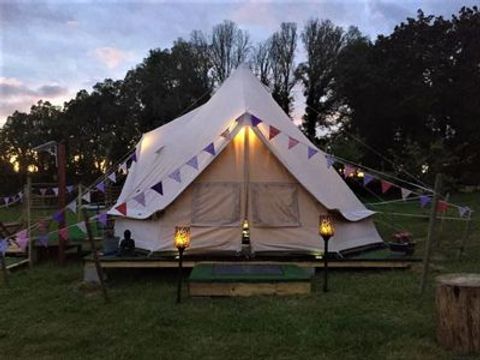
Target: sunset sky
<point>51,49</point>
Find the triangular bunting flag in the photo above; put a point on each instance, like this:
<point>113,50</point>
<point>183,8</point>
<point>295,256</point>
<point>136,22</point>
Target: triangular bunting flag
<point>210,149</point>
<point>70,188</point>
<point>134,156</point>
<point>348,170</point>
<point>176,176</point>
<point>63,233</point>
<point>123,168</point>
<point>463,211</point>
<point>255,121</point>
<point>385,186</point>
<point>424,200</point>
<point>367,178</point>
<point>20,195</point>
<point>6,199</point>
<point>72,206</point>
<point>59,216</point>
<point>82,226</point>
<point>330,160</point>
<point>43,191</point>
<point>442,206</point>
<point>272,132</point>
<point>101,186</point>
<point>226,134</point>
<point>87,197</point>
<point>158,188</point>
<point>22,239</point>
<point>42,240</point>
<point>140,198</point>
<point>3,246</point>
<point>405,193</point>
<point>193,162</point>
<point>113,177</point>
<point>122,208</point>
<point>103,218</point>
<point>55,191</point>
<point>311,152</point>
<point>292,142</point>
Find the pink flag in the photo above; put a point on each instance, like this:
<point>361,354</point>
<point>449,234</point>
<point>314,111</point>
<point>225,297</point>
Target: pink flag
<point>292,142</point>
<point>140,198</point>
<point>22,239</point>
<point>273,132</point>
<point>63,233</point>
<point>385,186</point>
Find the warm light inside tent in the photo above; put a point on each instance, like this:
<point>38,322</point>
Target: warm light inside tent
<point>245,229</point>
<point>326,228</point>
<point>360,174</point>
<point>240,137</point>
<point>182,237</point>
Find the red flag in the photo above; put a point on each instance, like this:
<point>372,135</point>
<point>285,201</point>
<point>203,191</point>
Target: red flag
<point>442,206</point>
<point>273,132</point>
<point>63,233</point>
<point>122,208</point>
<point>385,186</point>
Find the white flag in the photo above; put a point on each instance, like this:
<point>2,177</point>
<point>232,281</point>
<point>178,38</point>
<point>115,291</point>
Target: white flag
<point>123,167</point>
<point>55,191</point>
<point>87,197</point>
<point>72,206</point>
<point>113,177</point>
<point>405,193</point>
<point>82,226</point>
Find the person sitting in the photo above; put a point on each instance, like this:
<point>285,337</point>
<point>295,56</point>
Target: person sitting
<point>110,243</point>
<point>127,244</point>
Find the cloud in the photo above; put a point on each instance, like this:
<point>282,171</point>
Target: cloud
<point>15,95</point>
<point>111,57</point>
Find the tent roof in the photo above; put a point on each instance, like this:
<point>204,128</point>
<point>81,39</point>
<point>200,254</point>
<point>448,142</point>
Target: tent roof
<point>168,148</point>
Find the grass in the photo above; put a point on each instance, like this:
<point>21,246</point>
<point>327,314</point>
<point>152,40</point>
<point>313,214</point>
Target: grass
<point>48,314</point>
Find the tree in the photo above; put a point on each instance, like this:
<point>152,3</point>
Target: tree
<point>282,55</point>
<point>260,61</point>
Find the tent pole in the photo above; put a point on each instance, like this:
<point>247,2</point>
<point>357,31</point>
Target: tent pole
<point>246,174</point>
<point>431,228</point>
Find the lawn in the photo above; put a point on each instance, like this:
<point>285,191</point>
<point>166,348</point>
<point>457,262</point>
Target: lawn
<point>48,314</point>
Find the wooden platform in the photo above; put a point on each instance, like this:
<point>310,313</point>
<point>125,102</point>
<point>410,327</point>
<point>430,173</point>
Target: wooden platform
<point>248,280</point>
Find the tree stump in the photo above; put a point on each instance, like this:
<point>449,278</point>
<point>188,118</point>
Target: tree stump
<point>458,312</point>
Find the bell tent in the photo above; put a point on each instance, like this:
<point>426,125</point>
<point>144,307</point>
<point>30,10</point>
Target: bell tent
<point>238,159</point>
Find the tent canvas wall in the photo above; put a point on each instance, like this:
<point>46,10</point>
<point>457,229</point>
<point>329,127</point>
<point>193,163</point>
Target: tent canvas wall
<point>239,156</point>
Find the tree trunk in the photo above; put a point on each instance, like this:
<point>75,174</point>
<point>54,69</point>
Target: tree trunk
<point>458,312</point>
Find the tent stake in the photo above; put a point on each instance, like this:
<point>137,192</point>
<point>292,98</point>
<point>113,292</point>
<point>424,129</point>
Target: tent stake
<point>431,229</point>
<point>95,256</point>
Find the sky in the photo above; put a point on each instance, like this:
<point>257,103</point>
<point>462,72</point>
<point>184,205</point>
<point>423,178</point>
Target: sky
<point>51,49</point>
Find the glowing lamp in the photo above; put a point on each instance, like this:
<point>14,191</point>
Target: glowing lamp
<point>326,230</point>
<point>182,237</point>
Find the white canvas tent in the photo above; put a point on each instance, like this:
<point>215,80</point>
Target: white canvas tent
<point>238,156</point>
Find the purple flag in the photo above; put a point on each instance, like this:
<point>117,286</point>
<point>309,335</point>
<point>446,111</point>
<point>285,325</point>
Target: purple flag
<point>113,177</point>
<point>367,178</point>
<point>210,149</point>
<point>70,188</point>
<point>193,162</point>
<point>255,121</point>
<point>330,160</point>
<point>292,142</point>
<point>22,239</point>
<point>158,188</point>
<point>101,186</point>
<point>140,198</point>
<point>176,176</point>
<point>311,152</point>
<point>424,200</point>
<point>103,217</point>
<point>3,246</point>
<point>43,240</point>
<point>6,199</point>
<point>58,216</point>
<point>134,156</point>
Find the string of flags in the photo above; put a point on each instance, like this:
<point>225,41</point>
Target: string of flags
<point>12,199</point>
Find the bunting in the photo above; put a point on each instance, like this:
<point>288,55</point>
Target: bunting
<point>175,175</point>
<point>103,218</point>
<point>42,240</point>
<point>63,233</point>
<point>464,211</point>
<point>82,226</point>
<point>70,188</point>
<point>123,168</point>
<point>122,208</point>
<point>226,134</point>
<point>292,142</point>
<point>43,191</point>
<point>311,152</point>
<point>101,186</point>
<point>20,195</point>
<point>330,160</point>
<point>3,246</point>
<point>6,199</point>
<point>442,206</point>
<point>55,191</point>
<point>425,200</point>
<point>255,121</point>
<point>348,170</point>
<point>112,177</point>
<point>87,197</point>
<point>367,178</point>
<point>193,162</point>
<point>22,239</point>
<point>59,216</point>
<point>385,186</point>
<point>272,132</point>
<point>405,193</point>
<point>210,148</point>
<point>158,187</point>
<point>72,206</point>
<point>140,198</point>
<point>134,156</point>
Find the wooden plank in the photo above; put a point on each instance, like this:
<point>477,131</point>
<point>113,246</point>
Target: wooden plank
<point>18,264</point>
<point>249,289</point>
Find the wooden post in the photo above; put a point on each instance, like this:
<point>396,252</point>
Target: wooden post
<point>457,299</point>
<point>466,234</point>
<point>431,229</point>
<point>62,183</point>
<point>95,256</point>
<point>28,201</point>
